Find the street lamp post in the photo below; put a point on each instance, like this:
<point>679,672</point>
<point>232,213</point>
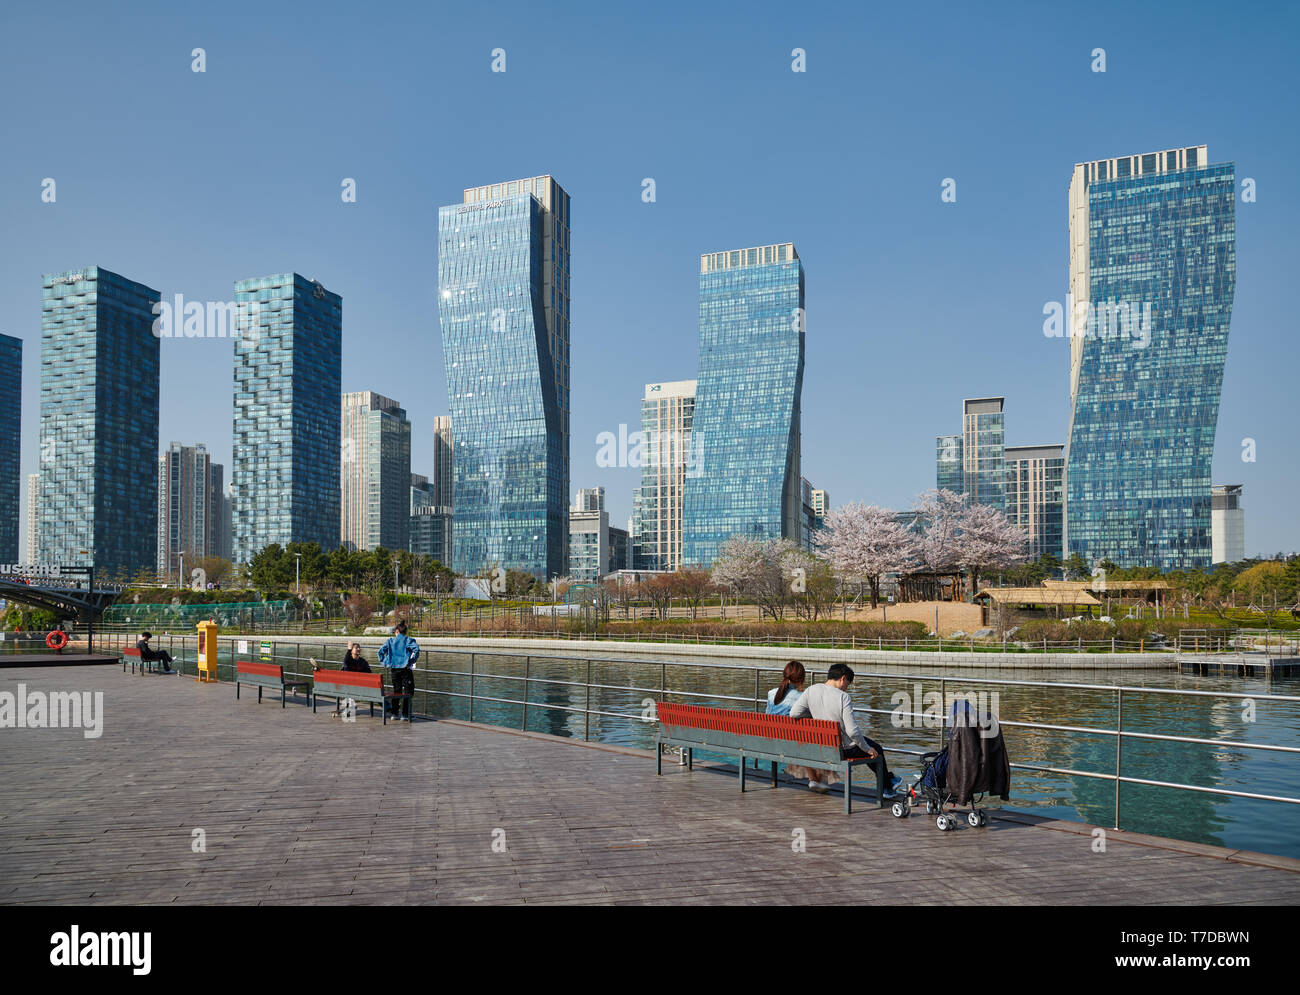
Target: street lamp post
<point>297,586</point>
<point>180,580</point>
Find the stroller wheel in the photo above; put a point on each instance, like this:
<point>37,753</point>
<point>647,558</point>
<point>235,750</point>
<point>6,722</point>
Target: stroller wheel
<point>942,822</point>
<point>899,810</point>
<point>984,819</point>
<point>929,808</point>
<point>974,819</point>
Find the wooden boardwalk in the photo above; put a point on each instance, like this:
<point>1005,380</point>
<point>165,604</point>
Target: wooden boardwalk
<point>302,808</point>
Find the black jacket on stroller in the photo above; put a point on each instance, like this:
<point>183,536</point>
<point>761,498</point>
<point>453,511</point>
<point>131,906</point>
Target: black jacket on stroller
<point>977,758</point>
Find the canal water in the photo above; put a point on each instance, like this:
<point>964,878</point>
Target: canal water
<point>618,709</point>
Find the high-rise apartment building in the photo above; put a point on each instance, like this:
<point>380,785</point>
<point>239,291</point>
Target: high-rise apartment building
<point>190,507</point>
<point>288,378</point>
<point>1227,524</point>
<point>443,465</point>
<point>588,543</point>
<point>503,301</point>
<point>745,430</point>
<point>99,422</point>
<point>11,398</point>
<point>1035,486</point>
<point>1152,277</point>
<point>667,417</point>
<point>33,545</point>
<point>430,523</point>
<point>375,485</point>
<point>590,499</point>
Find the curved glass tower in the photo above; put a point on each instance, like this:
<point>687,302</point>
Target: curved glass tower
<point>503,301</point>
<point>745,430</point>
<point>1152,274</point>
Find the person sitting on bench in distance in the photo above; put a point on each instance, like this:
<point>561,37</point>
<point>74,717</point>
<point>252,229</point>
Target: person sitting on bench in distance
<point>779,702</point>
<point>354,661</point>
<point>831,701</point>
<point>146,654</point>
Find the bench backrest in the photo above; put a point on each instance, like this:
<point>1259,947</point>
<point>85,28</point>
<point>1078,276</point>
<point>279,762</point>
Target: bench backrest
<point>348,682</point>
<point>810,739</point>
<point>250,671</point>
<point>130,651</point>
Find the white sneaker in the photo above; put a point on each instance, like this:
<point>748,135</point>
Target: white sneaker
<point>818,787</point>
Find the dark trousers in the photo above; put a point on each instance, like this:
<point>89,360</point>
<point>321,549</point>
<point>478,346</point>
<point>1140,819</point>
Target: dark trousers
<point>161,656</point>
<point>403,683</point>
<point>881,768</point>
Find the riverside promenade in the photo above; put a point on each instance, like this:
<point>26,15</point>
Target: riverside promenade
<point>188,796</point>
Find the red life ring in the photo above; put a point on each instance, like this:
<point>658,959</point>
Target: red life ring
<point>57,639</point>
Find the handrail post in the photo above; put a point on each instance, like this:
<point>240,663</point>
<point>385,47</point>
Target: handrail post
<point>527,662</point>
<point>586,711</point>
<point>471,687</point>
<point>1119,745</point>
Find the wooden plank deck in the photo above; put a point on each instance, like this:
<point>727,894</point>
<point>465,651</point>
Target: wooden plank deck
<point>299,808</point>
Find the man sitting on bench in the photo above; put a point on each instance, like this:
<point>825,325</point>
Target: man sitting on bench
<point>147,655</point>
<point>831,701</point>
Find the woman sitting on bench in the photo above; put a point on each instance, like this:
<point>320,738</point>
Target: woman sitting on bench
<point>779,702</point>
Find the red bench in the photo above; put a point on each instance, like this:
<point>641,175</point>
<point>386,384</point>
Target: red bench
<point>777,739</point>
<point>342,684</point>
<point>266,675</point>
<point>130,655</point>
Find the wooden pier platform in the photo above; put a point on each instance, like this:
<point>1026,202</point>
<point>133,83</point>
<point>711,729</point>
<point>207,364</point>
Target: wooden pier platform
<point>190,796</point>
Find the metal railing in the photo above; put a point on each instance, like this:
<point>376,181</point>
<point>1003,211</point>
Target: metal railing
<point>184,648</point>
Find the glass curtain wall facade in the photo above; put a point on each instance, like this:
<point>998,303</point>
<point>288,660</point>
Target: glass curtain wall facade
<point>1035,484</point>
<point>11,396</point>
<point>288,380</point>
<point>503,301</point>
<point>667,417</point>
<point>949,475</point>
<point>99,422</point>
<point>375,484</point>
<point>1152,278</point>
<point>745,430</point>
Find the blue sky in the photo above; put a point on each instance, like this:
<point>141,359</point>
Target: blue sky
<point>188,182</point>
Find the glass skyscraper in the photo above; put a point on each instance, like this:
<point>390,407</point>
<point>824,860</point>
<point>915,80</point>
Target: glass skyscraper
<point>949,475</point>
<point>11,397</point>
<point>99,422</point>
<point>288,381</point>
<point>375,484</point>
<point>503,301</point>
<point>1152,276</point>
<point>1035,486</point>
<point>745,429</point>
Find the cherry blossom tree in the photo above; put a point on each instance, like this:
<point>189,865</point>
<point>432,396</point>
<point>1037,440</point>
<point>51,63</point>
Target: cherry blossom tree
<point>864,542</point>
<point>988,540</point>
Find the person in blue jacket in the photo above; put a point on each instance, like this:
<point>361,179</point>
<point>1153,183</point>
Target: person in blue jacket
<point>399,654</point>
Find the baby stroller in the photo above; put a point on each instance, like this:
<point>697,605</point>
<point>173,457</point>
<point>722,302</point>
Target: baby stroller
<point>931,785</point>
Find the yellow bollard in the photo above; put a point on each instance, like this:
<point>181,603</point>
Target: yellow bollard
<point>207,652</point>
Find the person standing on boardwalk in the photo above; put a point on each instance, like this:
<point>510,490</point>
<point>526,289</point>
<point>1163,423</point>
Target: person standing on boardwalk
<point>399,654</point>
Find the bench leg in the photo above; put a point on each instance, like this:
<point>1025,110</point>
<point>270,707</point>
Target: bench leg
<point>236,690</point>
<point>659,758</point>
<point>259,694</point>
<point>880,782</point>
<point>281,695</point>
<point>690,758</point>
<point>848,789</point>
<point>774,774</point>
<point>313,703</point>
<point>742,773</point>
